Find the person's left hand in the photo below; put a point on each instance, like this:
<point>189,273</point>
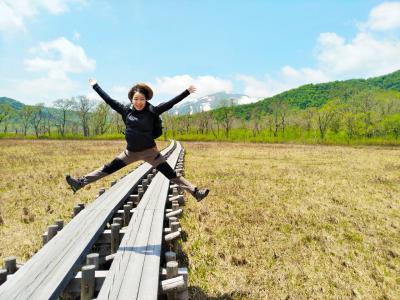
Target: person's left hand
<point>191,89</point>
<point>92,81</point>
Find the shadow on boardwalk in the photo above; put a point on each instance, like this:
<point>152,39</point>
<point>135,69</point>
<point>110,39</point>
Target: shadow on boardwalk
<point>148,249</point>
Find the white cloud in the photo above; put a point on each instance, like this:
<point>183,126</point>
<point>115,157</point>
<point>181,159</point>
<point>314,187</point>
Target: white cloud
<point>120,92</point>
<point>9,19</point>
<point>72,58</point>
<point>247,100</point>
<point>117,92</point>
<point>120,89</point>
<point>92,95</point>
<point>47,89</point>
<point>294,76</point>
<point>364,56</point>
<point>385,16</point>
<point>14,13</point>
<point>54,6</point>
<point>288,78</point>
<point>54,61</point>
<point>205,85</point>
<point>256,88</point>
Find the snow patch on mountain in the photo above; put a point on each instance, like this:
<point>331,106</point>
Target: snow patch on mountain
<point>209,102</point>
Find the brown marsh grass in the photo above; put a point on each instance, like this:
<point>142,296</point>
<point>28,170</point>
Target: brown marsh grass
<point>33,191</point>
<point>294,222</point>
<point>281,221</point>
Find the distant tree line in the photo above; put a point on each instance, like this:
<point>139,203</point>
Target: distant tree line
<point>363,115</point>
<point>74,116</point>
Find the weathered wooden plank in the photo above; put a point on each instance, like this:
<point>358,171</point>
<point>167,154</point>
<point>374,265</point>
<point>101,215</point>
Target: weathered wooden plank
<point>126,258</point>
<point>174,283</point>
<point>134,273</point>
<point>174,213</point>
<point>181,271</point>
<point>48,272</point>
<point>150,275</point>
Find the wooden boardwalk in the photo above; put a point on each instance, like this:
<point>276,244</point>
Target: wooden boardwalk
<point>50,270</point>
<point>134,273</point>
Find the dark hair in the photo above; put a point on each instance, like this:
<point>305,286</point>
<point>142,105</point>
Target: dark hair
<point>142,91</point>
<point>142,88</point>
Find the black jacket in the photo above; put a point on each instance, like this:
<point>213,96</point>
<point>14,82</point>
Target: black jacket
<point>139,124</point>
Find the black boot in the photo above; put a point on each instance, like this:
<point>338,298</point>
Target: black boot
<point>200,194</point>
<point>75,184</point>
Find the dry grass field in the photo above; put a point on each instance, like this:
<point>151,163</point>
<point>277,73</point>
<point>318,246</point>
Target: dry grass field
<point>281,221</point>
<point>33,190</point>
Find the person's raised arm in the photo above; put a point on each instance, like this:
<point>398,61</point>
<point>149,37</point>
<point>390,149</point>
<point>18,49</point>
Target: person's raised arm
<point>118,107</point>
<point>163,107</point>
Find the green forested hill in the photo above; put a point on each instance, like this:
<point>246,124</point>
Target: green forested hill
<point>315,95</point>
<point>390,81</point>
<point>11,102</point>
<point>18,106</point>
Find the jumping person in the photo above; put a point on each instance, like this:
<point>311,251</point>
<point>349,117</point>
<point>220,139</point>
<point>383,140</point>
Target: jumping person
<point>139,119</point>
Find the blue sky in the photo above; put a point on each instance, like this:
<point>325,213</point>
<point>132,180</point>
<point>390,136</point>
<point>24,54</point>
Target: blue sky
<point>48,49</point>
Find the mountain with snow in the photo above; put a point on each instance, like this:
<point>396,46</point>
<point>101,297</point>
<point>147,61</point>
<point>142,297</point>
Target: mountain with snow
<point>209,102</point>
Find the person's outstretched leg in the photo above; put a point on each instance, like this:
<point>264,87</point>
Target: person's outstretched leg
<point>123,159</point>
<point>187,185</point>
<point>155,158</point>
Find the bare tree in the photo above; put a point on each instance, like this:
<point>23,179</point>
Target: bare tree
<point>225,116</point>
<point>366,102</point>
<point>309,117</point>
<point>185,123</point>
<point>83,106</point>
<point>100,118</point>
<point>36,117</point>
<point>324,117</point>
<point>283,113</point>
<point>48,121</point>
<point>75,128</point>
<point>215,122</point>
<point>26,114</point>
<point>6,113</point>
<point>269,123</point>
<point>275,109</point>
<point>207,121</point>
<point>64,106</point>
<point>255,120</point>
<point>116,122</point>
<point>169,123</point>
<point>203,120</point>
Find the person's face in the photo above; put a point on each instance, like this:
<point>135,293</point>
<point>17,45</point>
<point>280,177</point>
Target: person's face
<point>138,101</point>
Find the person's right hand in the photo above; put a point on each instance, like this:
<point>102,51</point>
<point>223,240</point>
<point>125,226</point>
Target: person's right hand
<point>92,81</point>
<point>191,89</point>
